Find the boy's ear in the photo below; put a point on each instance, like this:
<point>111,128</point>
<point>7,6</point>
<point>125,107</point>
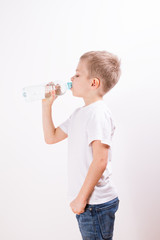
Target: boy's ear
<point>95,82</point>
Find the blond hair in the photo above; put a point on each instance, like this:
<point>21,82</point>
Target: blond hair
<point>103,65</point>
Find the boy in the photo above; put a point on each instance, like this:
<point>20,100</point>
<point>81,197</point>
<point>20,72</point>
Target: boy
<point>93,197</point>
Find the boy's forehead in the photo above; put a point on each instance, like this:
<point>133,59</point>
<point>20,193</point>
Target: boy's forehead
<point>81,67</point>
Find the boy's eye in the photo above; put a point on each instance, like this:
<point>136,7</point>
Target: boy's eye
<point>77,75</point>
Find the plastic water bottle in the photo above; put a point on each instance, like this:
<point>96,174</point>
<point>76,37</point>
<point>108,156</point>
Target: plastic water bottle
<point>39,92</point>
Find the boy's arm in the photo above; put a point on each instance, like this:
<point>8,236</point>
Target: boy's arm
<point>48,125</point>
<point>51,134</point>
<point>96,169</point>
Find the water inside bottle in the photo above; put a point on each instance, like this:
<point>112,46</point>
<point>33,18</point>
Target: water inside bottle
<point>32,93</point>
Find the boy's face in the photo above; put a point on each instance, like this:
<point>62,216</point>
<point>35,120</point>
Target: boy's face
<point>81,84</point>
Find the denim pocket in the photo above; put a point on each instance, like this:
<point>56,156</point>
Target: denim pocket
<point>86,226</point>
<point>84,217</point>
<point>106,217</point>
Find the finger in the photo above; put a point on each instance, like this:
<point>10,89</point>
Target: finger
<point>74,211</point>
<point>53,93</point>
<point>78,213</point>
<point>49,83</point>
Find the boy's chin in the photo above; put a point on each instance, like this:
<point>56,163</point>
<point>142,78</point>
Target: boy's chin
<point>75,95</point>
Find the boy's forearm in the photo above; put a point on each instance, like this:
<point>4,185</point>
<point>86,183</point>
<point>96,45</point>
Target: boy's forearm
<point>95,172</point>
<point>48,125</point>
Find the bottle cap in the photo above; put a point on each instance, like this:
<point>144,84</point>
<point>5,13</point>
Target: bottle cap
<point>69,85</point>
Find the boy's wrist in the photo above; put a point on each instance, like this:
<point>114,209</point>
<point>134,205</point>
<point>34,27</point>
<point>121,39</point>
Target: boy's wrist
<point>46,104</point>
<point>82,198</point>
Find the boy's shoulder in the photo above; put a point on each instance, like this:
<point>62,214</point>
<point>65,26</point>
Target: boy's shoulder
<point>98,109</point>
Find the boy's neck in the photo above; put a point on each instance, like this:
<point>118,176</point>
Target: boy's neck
<point>91,100</point>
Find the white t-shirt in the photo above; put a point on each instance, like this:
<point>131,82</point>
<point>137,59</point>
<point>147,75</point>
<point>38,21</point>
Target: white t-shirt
<point>88,123</point>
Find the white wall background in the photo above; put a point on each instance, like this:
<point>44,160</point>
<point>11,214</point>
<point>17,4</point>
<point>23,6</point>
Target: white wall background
<point>41,41</point>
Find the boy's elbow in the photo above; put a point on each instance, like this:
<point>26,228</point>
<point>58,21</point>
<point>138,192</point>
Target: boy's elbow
<point>102,163</point>
<point>47,141</point>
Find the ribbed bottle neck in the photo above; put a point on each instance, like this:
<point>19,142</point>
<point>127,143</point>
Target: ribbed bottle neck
<point>69,85</point>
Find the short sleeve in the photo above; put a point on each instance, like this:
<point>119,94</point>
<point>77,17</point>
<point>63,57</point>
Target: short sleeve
<point>65,125</point>
<point>99,127</point>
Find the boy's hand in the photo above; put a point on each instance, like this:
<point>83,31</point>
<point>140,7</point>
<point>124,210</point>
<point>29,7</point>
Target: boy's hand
<point>50,97</point>
<point>78,206</point>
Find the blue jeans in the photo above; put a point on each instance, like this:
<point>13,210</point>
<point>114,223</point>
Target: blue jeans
<point>97,221</point>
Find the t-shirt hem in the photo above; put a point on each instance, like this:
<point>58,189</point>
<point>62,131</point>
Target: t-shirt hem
<point>95,201</point>
<point>103,200</point>
<point>104,141</point>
